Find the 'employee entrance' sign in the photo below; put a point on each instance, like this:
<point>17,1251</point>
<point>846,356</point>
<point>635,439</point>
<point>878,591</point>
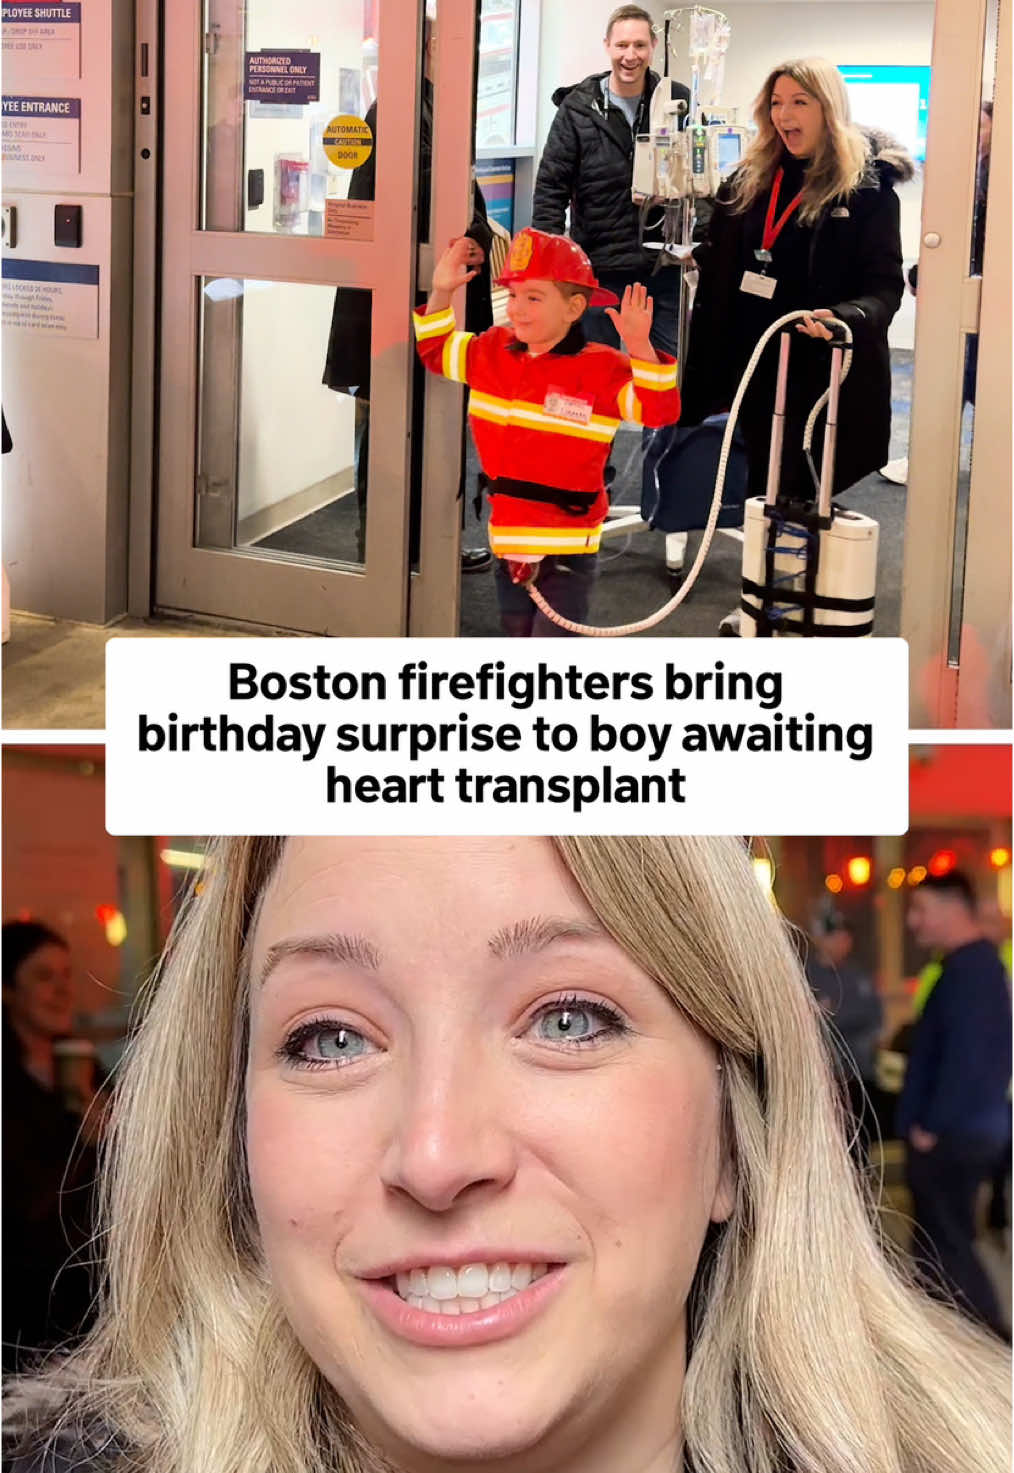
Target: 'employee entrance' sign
<point>43,133</point>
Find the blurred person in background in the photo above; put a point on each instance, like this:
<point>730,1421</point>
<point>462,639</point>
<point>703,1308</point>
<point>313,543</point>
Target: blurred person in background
<point>49,1161</point>
<point>996,928</point>
<point>954,1111</point>
<point>849,999</point>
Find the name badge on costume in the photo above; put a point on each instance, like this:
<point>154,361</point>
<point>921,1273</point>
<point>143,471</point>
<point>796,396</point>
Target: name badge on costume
<point>757,285</point>
<point>566,406</point>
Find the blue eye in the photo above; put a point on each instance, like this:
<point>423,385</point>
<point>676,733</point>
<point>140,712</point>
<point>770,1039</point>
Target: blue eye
<point>323,1043</point>
<point>577,1021</point>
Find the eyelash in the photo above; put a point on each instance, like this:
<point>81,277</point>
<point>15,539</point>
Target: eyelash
<point>615,1027</point>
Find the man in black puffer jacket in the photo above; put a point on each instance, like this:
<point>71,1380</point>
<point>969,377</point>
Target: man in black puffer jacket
<point>587,166</point>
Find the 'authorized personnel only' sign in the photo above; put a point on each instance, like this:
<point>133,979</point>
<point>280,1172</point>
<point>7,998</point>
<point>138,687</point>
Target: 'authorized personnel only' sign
<point>291,77</point>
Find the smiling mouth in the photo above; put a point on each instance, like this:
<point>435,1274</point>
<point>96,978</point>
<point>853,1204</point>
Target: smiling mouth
<point>442,1290</point>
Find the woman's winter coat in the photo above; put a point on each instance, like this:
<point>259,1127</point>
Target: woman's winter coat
<point>848,260</point>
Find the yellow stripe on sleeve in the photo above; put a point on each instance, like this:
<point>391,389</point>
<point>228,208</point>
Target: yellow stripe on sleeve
<point>658,376</point>
<point>456,357</point>
<point>630,404</point>
<point>433,324</point>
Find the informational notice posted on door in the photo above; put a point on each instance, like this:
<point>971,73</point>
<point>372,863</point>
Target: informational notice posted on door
<point>477,736</point>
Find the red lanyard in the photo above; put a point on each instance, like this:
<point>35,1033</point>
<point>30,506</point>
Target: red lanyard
<point>773,228</point>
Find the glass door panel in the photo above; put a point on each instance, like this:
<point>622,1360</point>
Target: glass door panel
<point>286,310</point>
<point>288,88</point>
<point>282,456</point>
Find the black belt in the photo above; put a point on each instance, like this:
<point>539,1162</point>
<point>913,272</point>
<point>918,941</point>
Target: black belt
<point>574,503</point>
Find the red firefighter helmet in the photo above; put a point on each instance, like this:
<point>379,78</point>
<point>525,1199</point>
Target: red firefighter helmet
<point>535,255</point>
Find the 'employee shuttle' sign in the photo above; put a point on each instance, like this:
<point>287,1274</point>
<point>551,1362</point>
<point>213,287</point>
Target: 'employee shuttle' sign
<point>41,41</point>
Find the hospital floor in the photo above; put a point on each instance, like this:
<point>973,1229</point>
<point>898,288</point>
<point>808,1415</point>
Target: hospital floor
<point>633,580</point>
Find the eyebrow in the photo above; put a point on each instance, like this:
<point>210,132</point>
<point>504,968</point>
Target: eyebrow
<point>537,932</point>
<point>520,938</point>
<point>353,951</point>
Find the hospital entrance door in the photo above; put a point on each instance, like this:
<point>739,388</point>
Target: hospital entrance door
<point>298,138</point>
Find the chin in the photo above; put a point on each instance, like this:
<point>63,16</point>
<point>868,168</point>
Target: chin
<point>462,1424</point>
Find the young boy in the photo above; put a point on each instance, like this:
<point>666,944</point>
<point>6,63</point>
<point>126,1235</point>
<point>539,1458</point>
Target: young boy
<point>544,407</point>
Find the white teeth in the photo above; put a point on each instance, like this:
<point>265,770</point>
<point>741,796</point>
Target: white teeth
<point>444,1290</point>
<point>457,1306</point>
<point>443,1283</point>
<point>473,1281</point>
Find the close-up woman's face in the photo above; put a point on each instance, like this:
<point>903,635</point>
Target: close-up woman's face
<point>484,1149</point>
<point>797,116</point>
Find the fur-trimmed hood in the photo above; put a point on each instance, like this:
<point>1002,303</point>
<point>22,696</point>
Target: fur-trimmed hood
<point>889,156</point>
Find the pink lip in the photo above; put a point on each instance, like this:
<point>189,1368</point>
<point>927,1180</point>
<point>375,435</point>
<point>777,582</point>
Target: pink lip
<point>454,1331</point>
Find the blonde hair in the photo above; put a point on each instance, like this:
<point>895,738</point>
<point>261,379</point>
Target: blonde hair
<point>809,1350</point>
<point>840,161</point>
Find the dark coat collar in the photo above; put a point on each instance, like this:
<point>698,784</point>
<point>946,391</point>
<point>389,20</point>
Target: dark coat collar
<point>568,346</point>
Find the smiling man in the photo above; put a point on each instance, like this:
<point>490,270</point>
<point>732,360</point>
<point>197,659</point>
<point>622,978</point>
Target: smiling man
<point>587,167</point>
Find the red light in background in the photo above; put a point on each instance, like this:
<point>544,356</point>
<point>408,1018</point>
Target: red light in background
<point>943,861</point>
<point>105,913</point>
<point>859,869</point>
<point>999,858</point>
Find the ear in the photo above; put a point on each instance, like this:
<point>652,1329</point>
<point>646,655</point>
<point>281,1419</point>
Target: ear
<point>575,307</point>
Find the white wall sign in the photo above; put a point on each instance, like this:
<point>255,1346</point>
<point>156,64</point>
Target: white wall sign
<point>43,133</point>
<point>51,297</point>
<point>41,40</point>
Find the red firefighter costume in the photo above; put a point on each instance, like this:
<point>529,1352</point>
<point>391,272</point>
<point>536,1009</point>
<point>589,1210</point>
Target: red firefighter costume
<point>545,423</point>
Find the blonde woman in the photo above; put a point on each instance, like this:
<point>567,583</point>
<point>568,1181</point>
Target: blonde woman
<point>810,220</point>
<point>496,1154</point>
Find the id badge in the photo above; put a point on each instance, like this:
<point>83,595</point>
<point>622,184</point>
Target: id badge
<point>757,285</point>
<point>568,406</point>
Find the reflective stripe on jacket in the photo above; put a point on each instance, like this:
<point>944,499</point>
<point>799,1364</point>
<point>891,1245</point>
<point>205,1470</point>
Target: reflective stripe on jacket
<point>549,419</point>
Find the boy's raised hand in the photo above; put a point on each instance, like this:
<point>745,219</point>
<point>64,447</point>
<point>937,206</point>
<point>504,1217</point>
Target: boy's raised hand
<point>451,271</point>
<point>633,322</point>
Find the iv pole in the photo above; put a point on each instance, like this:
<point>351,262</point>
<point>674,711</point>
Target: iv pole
<point>707,57</point>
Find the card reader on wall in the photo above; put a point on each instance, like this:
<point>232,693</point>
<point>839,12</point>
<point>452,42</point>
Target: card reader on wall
<point>67,225</point>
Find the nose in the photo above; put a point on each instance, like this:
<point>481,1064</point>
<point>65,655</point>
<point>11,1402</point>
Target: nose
<point>452,1137</point>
